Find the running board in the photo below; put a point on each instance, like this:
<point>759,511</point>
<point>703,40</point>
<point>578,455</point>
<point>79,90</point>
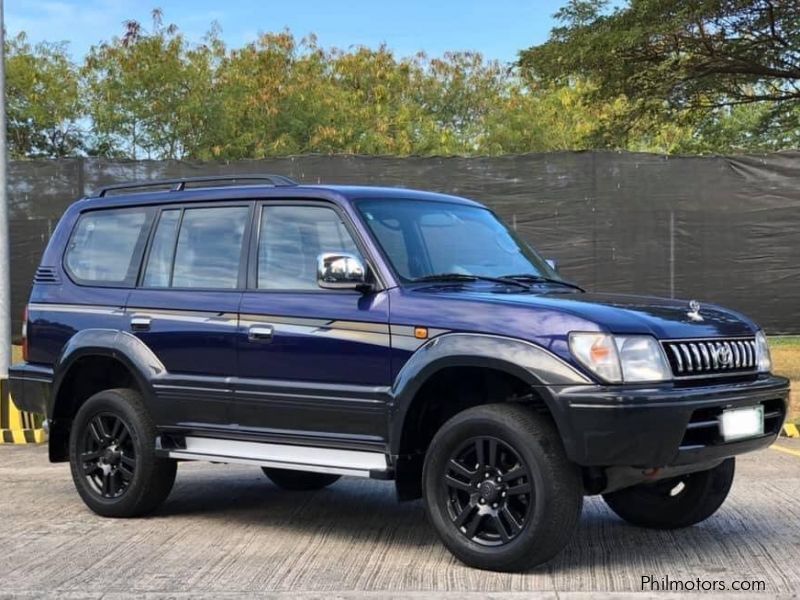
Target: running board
<point>281,456</point>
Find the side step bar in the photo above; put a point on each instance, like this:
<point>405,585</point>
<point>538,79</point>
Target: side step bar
<point>281,456</point>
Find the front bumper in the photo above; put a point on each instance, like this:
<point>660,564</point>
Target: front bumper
<point>31,386</point>
<point>663,426</point>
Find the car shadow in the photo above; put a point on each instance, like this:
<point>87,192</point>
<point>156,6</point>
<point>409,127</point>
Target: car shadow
<point>355,509</point>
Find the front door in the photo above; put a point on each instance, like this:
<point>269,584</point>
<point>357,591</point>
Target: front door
<point>185,310</point>
<point>314,364</point>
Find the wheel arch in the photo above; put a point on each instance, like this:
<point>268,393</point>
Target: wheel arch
<point>459,371</point>
<point>537,367</point>
<point>93,360</point>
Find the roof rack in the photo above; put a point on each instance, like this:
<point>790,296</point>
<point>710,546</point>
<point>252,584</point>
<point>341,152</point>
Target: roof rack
<point>178,185</point>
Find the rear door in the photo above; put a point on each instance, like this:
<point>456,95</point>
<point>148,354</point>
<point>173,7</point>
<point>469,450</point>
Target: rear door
<point>314,364</point>
<point>185,309</point>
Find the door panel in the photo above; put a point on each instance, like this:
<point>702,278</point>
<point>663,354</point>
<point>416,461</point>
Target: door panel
<point>194,335</point>
<point>314,365</point>
<point>187,310</point>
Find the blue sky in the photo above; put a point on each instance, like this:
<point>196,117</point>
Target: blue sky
<point>497,28</point>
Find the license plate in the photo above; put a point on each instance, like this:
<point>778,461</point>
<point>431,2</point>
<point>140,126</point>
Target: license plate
<point>738,423</point>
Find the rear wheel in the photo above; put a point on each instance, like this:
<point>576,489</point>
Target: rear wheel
<point>676,502</point>
<point>112,456</point>
<point>499,489</point>
<point>299,481</point>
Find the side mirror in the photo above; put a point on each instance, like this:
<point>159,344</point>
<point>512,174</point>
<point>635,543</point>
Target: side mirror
<point>552,264</point>
<point>340,271</point>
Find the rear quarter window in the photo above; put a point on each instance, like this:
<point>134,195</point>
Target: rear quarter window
<point>106,246</point>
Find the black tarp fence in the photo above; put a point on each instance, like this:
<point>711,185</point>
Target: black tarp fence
<point>722,229</point>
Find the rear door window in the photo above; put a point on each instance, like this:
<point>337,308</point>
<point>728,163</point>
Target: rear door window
<point>197,248</point>
<point>158,272</point>
<point>106,246</point>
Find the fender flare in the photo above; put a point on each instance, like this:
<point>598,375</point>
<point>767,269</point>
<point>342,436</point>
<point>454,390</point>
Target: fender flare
<point>119,345</point>
<point>533,364</point>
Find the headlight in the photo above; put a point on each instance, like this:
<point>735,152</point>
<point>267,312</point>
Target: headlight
<point>620,358</point>
<point>763,359</point>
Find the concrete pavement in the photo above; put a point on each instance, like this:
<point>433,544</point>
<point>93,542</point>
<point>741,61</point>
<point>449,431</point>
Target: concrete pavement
<point>226,531</point>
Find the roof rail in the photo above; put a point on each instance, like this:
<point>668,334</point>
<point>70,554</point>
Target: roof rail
<point>178,185</point>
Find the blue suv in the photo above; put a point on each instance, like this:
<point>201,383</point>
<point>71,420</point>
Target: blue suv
<point>321,331</point>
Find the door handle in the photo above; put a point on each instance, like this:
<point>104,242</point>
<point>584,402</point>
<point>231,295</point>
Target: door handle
<point>140,323</point>
<point>260,333</point>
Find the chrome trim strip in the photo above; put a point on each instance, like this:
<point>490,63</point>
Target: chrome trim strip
<point>300,458</point>
<point>188,316</point>
<point>678,358</point>
<point>714,349</point>
<point>688,357</point>
<point>247,319</point>
<point>706,355</point>
<point>706,339</point>
<point>98,309</point>
<point>698,363</point>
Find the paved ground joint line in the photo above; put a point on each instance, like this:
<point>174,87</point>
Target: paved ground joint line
<point>786,450</point>
<point>227,533</point>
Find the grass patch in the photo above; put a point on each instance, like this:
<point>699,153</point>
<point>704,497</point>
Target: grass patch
<point>786,356</point>
<point>785,352</point>
<point>784,341</point>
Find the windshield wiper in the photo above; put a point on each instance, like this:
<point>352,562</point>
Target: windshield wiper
<point>541,279</point>
<point>467,277</point>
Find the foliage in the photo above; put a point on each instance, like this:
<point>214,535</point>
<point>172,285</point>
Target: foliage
<point>42,100</point>
<point>729,69</point>
<point>150,93</point>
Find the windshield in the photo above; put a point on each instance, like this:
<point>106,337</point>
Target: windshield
<point>423,239</point>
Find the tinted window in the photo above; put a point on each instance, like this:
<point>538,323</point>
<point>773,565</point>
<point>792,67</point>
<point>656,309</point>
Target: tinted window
<point>209,247</point>
<point>422,239</point>
<point>162,249</point>
<point>291,239</point>
<point>104,247</point>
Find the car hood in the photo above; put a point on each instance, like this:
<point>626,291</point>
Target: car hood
<point>619,313</point>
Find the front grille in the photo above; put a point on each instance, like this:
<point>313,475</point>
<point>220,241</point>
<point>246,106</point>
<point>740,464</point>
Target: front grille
<point>714,357</point>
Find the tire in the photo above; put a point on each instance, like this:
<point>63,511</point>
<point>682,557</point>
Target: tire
<point>299,481</point>
<point>677,502</point>
<point>525,511</point>
<point>112,456</point>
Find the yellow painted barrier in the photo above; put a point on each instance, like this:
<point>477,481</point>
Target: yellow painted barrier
<point>16,426</point>
<point>790,430</point>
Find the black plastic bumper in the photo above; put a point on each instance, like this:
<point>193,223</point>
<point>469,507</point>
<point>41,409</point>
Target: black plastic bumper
<point>661,426</point>
<point>30,386</point>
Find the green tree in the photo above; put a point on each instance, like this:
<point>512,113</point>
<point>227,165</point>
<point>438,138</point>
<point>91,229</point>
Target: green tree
<point>691,62</point>
<point>150,94</point>
<point>43,100</point>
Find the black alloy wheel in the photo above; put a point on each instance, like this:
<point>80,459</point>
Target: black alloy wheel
<point>113,459</point>
<point>499,488</point>
<point>108,457</point>
<point>490,491</point>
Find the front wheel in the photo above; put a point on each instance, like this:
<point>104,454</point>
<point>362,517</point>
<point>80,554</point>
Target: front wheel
<point>112,456</point>
<point>499,489</point>
<point>676,502</point>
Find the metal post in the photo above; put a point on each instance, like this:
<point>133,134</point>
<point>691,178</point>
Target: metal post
<point>5,282</point>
